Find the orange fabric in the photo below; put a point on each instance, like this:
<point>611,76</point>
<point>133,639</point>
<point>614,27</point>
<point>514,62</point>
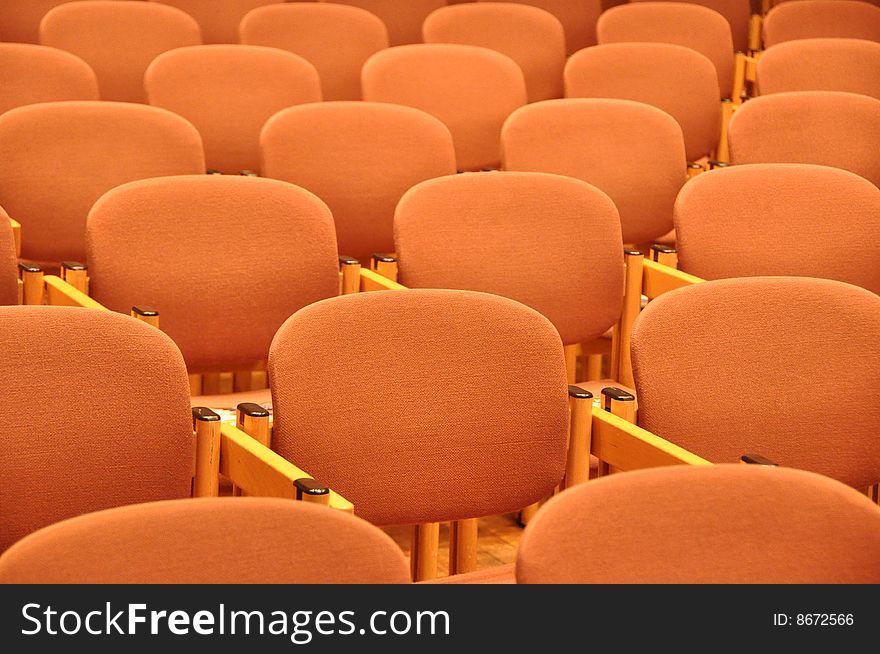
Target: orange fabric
<point>95,415</point>
<point>8,262</point>
<point>403,19</point>
<point>335,39</point>
<point>229,92</point>
<point>851,65</point>
<point>689,25</point>
<point>821,18</point>
<point>578,17</point>
<point>422,405</point>
<point>218,19</point>
<point>532,37</point>
<point>360,158</point>
<point>631,151</point>
<point>780,219</point>
<point>33,73</point>
<point>680,81</point>
<point>224,259</point>
<point>471,89</point>
<point>736,12</point>
<point>57,158</point>
<point>548,241</point>
<point>785,367</point>
<point>118,40</point>
<point>245,540</point>
<point>828,128</point>
<point>727,524</point>
<point>20,19</point>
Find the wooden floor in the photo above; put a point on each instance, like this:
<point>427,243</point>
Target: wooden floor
<point>498,541</point>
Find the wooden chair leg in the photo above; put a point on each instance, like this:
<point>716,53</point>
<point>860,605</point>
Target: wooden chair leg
<point>349,275</point>
<point>594,367</point>
<point>571,359</point>
<point>206,480</point>
<point>621,364</point>
<point>241,381</point>
<point>424,550</point>
<point>622,404</point>
<point>195,385</point>
<point>211,383</point>
<point>577,468</point>
<point>463,546</point>
<point>385,265</point>
<point>33,286</point>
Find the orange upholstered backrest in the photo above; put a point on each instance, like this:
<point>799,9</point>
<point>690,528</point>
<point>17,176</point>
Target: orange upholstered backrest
<point>360,158</point>
<point>780,219</point>
<point>533,38</point>
<point>726,524</point>
<point>471,89</point>
<point>218,19</point>
<point>736,12</point>
<point>20,19</point>
<point>685,24</point>
<point>851,65</point>
<point>828,128</point>
<point>422,405</point>
<point>785,367</point>
<point>229,92</point>
<point>250,540</point>
<point>633,152</point>
<point>95,415</point>
<point>811,19</point>
<point>548,241</point>
<point>57,158</point>
<point>8,262</point>
<point>224,259</point>
<point>34,73</point>
<point>335,39</point>
<point>403,19</point>
<point>118,40</point>
<point>578,17</point>
<point>680,81</point>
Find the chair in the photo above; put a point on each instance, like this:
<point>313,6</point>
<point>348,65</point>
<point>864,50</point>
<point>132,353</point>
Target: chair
<point>360,158</point>
<point>471,89</point>
<point>532,37</point>
<point>57,158</point>
<point>780,219</point>
<point>812,19</point>
<point>578,17</point>
<point>403,19</point>
<point>827,128</point>
<point>680,81</point>
<point>118,40</point>
<point>680,23</point>
<point>20,19</point>
<point>850,65</point>
<point>251,541</point>
<point>8,262</point>
<point>335,39</point>
<point>736,12</point>
<point>218,19</point>
<point>784,367</point>
<point>229,92</point>
<point>633,152</point>
<point>724,524</point>
<point>33,73</point>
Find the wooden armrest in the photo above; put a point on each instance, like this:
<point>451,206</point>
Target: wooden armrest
<point>626,446</point>
<point>261,472</point>
<point>16,236</point>
<point>60,293</point>
<point>658,279</point>
<point>373,281</point>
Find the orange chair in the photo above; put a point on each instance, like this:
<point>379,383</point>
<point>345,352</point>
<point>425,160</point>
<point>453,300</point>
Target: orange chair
<point>736,12</point>
<point>403,19</point>
<point>783,367</point>
<point>20,19</point>
<point>827,128</point>
<point>578,17</point>
<point>33,73</point>
<point>360,158</point>
<point>680,23</point>
<point>9,293</point>
<point>57,158</point>
<point>680,81</point>
<point>250,540</point>
<point>335,39</point>
<point>812,19</point>
<point>532,37</point>
<point>851,65</point>
<point>471,89</point>
<point>224,259</point>
<point>218,19</point>
<point>118,40</point>
<point>215,88</point>
<point>633,152</point>
<point>725,524</point>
